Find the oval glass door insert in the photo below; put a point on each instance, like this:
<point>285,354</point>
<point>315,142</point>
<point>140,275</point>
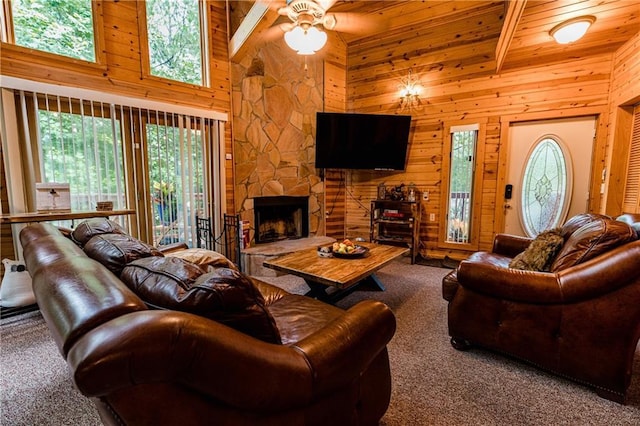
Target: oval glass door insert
<point>546,187</point>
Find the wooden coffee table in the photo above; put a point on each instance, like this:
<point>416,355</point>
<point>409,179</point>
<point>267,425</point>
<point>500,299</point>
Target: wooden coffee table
<point>323,274</point>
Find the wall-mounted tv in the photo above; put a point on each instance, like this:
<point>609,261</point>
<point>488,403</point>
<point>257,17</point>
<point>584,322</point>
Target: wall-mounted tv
<point>361,141</point>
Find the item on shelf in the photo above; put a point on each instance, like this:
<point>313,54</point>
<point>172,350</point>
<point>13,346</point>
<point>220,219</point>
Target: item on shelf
<point>382,192</point>
<point>397,193</point>
<point>53,197</point>
<point>104,206</point>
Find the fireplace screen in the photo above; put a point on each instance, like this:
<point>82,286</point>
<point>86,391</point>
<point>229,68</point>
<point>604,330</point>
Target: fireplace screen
<point>281,218</point>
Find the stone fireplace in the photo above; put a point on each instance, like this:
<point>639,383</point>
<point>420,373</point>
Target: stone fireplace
<point>280,218</point>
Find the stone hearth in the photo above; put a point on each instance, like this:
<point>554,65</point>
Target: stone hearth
<point>253,257</point>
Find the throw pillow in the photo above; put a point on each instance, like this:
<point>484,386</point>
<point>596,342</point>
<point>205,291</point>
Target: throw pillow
<point>224,295</point>
<point>208,259</point>
<point>116,250</point>
<point>539,255</point>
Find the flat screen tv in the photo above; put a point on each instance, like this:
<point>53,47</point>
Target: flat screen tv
<point>361,141</point>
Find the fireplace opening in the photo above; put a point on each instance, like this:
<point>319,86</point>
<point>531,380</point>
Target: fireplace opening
<point>280,218</point>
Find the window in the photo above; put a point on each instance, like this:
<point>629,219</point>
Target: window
<point>175,42</point>
<point>545,187</point>
<point>161,164</point>
<point>83,148</point>
<point>63,27</point>
<point>177,182</point>
<point>461,180</point>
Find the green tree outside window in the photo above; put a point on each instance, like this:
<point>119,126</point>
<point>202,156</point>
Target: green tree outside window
<point>63,27</point>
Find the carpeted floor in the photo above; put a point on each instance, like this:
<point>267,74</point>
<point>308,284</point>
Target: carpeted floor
<point>433,384</point>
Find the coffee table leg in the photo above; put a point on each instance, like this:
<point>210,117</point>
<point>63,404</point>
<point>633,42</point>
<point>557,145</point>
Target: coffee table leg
<point>373,281</point>
<point>319,291</point>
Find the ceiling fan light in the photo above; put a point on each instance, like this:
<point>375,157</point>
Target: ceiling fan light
<point>305,42</point>
<point>571,30</point>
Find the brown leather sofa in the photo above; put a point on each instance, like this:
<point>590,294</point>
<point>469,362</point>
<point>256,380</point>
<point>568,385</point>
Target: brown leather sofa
<point>580,320</point>
<point>145,366</point>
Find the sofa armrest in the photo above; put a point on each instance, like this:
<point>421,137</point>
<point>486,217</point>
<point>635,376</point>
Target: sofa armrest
<point>603,274</point>
<point>224,364</point>
<point>506,283</point>
<point>344,348</point>
<point>189,351</point>
<point>510,245</point>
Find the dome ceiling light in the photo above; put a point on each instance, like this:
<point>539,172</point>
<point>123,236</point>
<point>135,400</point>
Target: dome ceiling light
<point>572,29</point>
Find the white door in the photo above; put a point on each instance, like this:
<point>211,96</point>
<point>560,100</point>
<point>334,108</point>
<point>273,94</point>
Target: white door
<point>549,169</point>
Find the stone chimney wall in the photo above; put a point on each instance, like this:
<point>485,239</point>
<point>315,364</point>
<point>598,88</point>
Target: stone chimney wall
<point>275,100</point>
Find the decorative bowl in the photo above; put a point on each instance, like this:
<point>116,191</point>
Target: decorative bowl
<point>359,251</point>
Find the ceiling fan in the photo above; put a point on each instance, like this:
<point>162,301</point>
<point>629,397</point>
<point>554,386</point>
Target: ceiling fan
<point>305,20</point>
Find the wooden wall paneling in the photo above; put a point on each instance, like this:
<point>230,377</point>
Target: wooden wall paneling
<point>464,88</point>
<point>624,93</point>
<point>334,203</point>
<point>334,87</point>
<point>617,173</point>
<point>6,234</point>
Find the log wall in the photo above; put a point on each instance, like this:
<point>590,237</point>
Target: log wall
<point>460,85</point>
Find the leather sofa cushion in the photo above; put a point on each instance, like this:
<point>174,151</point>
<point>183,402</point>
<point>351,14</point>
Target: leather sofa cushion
<point>299,316</point>
<point>95,226</point>
<point>116,250</point>
<point>592,239</point>
<point>224,295</point>
<point>205,258</point>
<point>578,221</point>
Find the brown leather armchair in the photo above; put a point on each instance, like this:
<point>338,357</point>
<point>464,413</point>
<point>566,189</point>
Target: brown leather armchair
<point>581,320</point>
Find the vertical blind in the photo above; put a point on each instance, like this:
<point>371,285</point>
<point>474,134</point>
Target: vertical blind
<point>150,160</point>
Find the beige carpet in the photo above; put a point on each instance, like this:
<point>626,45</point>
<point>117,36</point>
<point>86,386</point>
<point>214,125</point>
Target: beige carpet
<point>433,384</point>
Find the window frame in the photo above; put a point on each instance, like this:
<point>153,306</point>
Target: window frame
<point>8,41</point>
<point>476,195</point>
<point>145,54</point>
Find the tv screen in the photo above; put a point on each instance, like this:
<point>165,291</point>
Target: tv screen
<point>361,141</point>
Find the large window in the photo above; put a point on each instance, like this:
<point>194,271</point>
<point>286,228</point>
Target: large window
<point>63,27</point>
<point>158,163</point>
<point>174,32</point>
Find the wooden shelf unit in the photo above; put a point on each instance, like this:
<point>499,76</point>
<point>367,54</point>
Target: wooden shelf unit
<point>397,223</point>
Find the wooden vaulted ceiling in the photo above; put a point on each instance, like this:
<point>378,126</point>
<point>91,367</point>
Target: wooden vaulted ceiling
<point>520,28</point>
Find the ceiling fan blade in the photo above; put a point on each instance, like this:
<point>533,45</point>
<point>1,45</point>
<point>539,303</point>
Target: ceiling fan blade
<point>326,4</point>
<point>355,23</point>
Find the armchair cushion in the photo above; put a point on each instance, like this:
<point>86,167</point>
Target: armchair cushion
<point>539,255</point>
<point>224,295</point>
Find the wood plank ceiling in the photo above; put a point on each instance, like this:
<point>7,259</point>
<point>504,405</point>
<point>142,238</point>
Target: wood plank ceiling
<point>525,35</point>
